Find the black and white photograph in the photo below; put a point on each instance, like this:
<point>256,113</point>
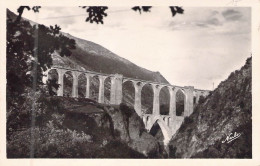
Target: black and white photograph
<point>128,82</point>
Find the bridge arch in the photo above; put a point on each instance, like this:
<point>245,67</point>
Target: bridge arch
<point>68,83</point>
<point>180,102</point>
<point>166,131</point>
<point>107,89</point>
<point>128,92</point>
<point>164,100</point>
<point>147,97</point>
<point>94,87</point>
<point>82,85</point>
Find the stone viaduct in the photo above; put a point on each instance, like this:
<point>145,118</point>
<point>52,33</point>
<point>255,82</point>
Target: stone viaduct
<point>169,124</point>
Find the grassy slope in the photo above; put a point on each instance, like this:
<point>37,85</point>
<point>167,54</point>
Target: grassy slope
<point>97,58</point>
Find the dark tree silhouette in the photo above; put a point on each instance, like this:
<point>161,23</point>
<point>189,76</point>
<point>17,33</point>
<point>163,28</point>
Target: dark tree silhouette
<point>21,47</point>
<point>97,13</point>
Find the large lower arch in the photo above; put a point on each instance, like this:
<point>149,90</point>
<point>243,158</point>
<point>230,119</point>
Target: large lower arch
<point>158,122</point>
<point>128,91</point>
<point>147,96</point>
<point>164,101</point>
<point>68,82</point>
<point>156,131</point>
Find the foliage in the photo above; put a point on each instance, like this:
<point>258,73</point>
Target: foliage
<point>117,149</point>
<point>97,13</point>
<point>142,8</point>
<point>188,121</point>
<point>49,142</point>
<point>228,109</point>
<point>29,50</point>
<point>60,133</point>
<point>175,10</point>
<point>239,148</point>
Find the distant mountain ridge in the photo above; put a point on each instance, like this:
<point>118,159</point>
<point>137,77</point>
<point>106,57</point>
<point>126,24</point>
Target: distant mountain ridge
<point>94,57</point>
<point>97,58</point>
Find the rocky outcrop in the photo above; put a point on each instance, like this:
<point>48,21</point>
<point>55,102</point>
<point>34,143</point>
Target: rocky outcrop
<point>120,123</point>
<point>228,109</point>
<point>83,128</point>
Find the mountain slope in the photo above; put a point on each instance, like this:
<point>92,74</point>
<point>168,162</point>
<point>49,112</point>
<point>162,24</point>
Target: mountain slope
<point>228,109</point>
<point>91,56</point>
<point>94,57</point>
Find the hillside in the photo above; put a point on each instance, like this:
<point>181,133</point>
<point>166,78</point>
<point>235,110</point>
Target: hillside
<point>68,127</point>
<point>93,57</point>
<point>81,128</point>
<point>226,110</point>
<point>97,58</point>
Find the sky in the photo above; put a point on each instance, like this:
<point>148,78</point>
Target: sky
<point>197,48</point>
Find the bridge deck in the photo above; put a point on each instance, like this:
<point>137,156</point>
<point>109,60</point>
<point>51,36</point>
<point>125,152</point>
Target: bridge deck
<point>127,78</point>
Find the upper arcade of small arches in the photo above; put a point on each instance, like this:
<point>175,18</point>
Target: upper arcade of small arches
<point>137,82</point>
<point>76,73</point>
<point>91,73</point>
<point>141,82</point>
<point>155,85</point>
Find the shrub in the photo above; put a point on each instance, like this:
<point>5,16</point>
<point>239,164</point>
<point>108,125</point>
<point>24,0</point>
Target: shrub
<point>202,99</point>
<point>48,142</point>
<point>186,123</point>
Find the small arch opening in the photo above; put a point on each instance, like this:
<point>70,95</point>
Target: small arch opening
<point>107,90</point>
<point>68,82</point>
<point>180,103</point>
<point>128,93</point>
<point>164,98</point>
<point>194,100</point>
<point>147,99</point>
<point>94,88</point>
